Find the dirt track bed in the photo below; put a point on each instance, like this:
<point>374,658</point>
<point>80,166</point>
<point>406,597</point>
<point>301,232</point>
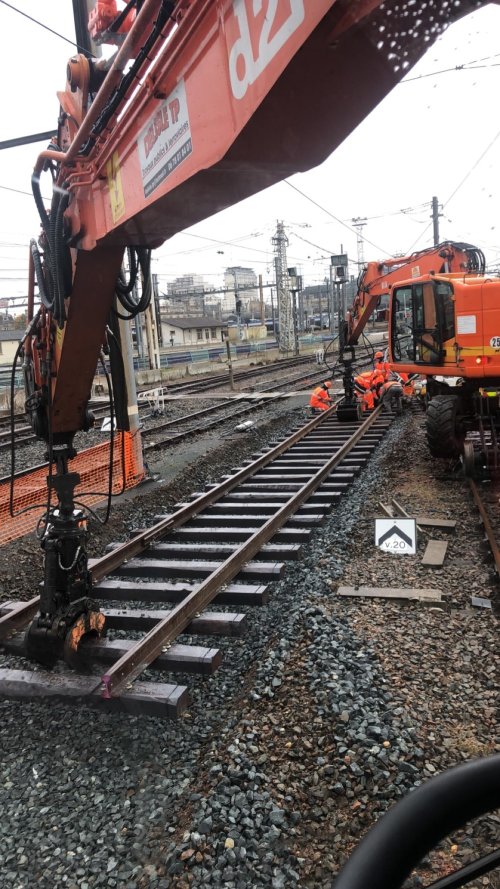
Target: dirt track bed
<point>320,718</point>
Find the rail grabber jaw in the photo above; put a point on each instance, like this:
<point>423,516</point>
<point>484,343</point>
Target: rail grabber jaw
<point>348,408</point>
<point>68,612</point>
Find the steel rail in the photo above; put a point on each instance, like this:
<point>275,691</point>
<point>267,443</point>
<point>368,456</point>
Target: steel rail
<point>111,561</point>
<point>176,437</point>
<point>486,525</point>
<point>186,418</point>
<point>146,650</point>
<point>131,548</point>
<point>18,616</point>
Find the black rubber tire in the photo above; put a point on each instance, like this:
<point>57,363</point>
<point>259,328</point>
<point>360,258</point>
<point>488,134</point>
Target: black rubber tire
<point>445,433</point>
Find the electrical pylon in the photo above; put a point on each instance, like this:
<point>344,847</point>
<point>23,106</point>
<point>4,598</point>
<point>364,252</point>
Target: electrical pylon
<point>287,335</point>
<point>359,223</point>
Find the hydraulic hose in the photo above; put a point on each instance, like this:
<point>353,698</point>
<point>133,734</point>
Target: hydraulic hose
<point>416,824</point>
<point>40,278</point>
<point>139,258</point>
<point>54,277</point>
<point>130,77</point>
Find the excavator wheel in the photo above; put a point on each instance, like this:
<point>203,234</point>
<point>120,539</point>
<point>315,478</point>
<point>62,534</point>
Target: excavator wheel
<point>469,460</point>
<point>445,433</point>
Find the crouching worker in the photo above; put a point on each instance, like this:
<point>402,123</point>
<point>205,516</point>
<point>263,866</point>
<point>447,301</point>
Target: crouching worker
<point>368,386</point>
<point>364,392</point>
<point>321,399</point>
<point>391,396</point>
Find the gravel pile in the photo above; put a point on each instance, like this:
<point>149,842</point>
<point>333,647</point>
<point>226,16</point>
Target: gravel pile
<point>323,715</point>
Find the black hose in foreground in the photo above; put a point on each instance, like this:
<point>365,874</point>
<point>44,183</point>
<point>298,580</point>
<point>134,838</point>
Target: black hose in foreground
<point>416,824</point>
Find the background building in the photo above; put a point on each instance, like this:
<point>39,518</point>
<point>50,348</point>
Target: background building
<point>9,341</point>
<point>241,284</point>
<point>201,331</point>
<point>184,297</point>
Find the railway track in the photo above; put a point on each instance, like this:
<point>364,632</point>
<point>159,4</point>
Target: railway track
<point>197,422</point>
<point>216,381</point>
<point>232,409</point>
<point>24,435</point>
<point>202,384</point>
<point>221,548</point>
<point>192,424</point>
<point>489,520</point>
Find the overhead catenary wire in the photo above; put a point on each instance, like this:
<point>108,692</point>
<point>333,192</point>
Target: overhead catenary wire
<point>223,243</point>
<point>336,218</point>
<point>42,25</point>
<point>323,249</point>
<point>19,190</point>
<point>459,186</point>
<point>464,66</point>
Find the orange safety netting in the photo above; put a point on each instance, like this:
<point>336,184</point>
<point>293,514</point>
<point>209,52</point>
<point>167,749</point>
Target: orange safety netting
<point>92,464</point>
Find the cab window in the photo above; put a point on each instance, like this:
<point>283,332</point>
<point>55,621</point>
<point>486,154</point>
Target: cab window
<point>402,325</point>
<point>446,306</point>
<point>425,327</point>
<point>421,314</point>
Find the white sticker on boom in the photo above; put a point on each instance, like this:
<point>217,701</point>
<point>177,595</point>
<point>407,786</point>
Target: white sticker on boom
<point>495,342</point>
<point>466,324</point>
<point>165,142</point>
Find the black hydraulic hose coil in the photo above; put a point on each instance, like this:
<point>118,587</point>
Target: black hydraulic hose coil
<point>124,288</point>
<point>45,298</point>
<point>44,216</point>
<point>139,258</point>
<point>415,825</point>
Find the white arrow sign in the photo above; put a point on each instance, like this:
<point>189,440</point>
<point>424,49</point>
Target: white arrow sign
<point>396,536</point>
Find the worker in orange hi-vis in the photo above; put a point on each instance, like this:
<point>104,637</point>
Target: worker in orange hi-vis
<point>383,367</point>
<point>388,388</point>
<point>369,385</point>
<point>364,391</point>
<point>321,399</point>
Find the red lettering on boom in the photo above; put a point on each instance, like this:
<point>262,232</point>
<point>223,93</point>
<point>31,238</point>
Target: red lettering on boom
<point>160,123</point>
<point>174,107</point>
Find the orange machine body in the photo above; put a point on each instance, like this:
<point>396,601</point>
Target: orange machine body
<point>102,17</point>
<point>447,325</point>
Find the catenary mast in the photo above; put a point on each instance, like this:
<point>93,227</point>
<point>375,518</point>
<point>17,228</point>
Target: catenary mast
<point>287,335</point>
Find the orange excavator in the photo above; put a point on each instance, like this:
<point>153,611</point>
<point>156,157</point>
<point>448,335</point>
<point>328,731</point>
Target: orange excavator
<point>447,327</point>
<point>377,278</point>
<point>204,103</point>
<point>444,322</point>
<point>375,283</point>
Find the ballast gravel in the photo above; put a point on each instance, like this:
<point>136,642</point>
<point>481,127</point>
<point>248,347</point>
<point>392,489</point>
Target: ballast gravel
<point>321,717</point>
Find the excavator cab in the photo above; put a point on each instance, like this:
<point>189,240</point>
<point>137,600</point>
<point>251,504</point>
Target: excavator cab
<point>446,328</point>
<point>422,321</point>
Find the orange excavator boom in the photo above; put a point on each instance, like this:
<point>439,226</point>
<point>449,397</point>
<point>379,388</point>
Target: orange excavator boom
<point>377,278</point>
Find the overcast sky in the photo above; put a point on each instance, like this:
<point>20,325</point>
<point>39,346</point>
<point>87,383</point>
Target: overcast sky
<point>437,133</point>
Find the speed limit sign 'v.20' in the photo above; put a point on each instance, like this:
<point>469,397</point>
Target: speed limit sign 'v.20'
<point>396,536</point>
